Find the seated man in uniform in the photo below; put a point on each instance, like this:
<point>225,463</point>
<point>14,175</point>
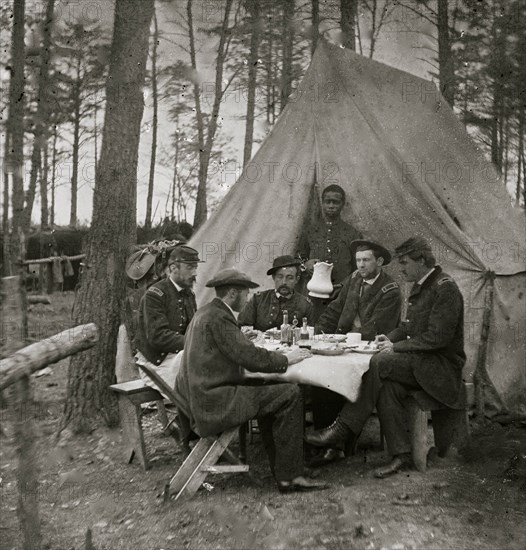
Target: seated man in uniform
<point>426,352</point>
<point>265,309</point>
<point>329,240</point>
<point>369,303</point>
<point>212,391</point>
<point>165,311</point>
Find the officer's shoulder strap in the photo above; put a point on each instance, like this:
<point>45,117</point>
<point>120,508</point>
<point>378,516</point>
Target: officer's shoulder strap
<point>354,274</point>
<point>445,279</point>
<point>389,286</point>
<point>155,290</point>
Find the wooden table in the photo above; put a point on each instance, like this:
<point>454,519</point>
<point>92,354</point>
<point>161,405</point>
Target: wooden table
<point>339,373</point>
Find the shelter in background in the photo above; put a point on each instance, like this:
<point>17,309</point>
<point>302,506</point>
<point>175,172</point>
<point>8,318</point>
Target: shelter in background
<point>59,244</point>
<point>409,169</point>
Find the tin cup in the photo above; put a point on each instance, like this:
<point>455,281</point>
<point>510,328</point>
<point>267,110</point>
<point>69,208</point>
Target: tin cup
<point>353,338</point>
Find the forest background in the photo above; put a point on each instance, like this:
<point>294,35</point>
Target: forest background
<point>218,74</point>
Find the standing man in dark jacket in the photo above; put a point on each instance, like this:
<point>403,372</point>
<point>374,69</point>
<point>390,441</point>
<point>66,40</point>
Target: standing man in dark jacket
<point>265,309</point>
<point>369,303</point>
<point>211,387</point>
<point>329,240</point>
<point>165,312</point>
<point>425,352</point>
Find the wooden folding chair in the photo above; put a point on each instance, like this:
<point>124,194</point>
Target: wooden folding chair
<point>202,459</point>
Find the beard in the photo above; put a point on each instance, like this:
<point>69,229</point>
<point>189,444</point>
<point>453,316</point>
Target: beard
<point>285,290</point>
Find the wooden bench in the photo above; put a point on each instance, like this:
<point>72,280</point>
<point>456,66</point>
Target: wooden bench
<point>203,461</point>
<point>132,395</point>
<point>448,425</point>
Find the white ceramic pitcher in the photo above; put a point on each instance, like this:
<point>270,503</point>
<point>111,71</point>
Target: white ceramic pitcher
<point>320,285</point>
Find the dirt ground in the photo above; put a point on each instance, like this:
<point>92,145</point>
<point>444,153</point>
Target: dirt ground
<point>472,500</point>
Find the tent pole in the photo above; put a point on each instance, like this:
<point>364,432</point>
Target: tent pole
<point>481,378</point>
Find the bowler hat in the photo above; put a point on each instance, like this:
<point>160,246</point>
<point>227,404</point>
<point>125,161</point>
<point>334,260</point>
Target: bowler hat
<point>414,244</point>
<point>231,277</point>
<point>378,248</point>
<point>283,261</point>
<point>185,254</point>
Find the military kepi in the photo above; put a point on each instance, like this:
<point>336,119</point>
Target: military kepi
<point>381,250</point>
<point>283,261</point>
<point>231,277</point>
<point>414,244</point>
<point>185,254</point>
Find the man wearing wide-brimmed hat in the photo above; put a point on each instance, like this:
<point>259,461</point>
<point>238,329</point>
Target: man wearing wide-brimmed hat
<point>426,351</point>
<point>165,312</point>
<point>370,300</point>
<point>265,309</point>
<point>211,388</point>
<point>369,303</point>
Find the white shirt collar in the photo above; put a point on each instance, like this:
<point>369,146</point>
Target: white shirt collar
<point>372,281</point>
<point>179,288</point>
<point>231,310</point>
<point>421,282</point>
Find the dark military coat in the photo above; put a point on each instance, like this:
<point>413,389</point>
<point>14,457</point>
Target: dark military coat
<point>433,334</point>
<point>331,242</point>
<point>164,315</point>
<point>264,310</point>
<point>209,385</point>
<point>378,307</point>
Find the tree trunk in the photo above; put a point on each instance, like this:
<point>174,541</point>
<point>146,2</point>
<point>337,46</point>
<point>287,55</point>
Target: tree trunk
<point>16,127</point>
<point>42,114</point>
<point>271,100</point>
<point>348,11</point>
<point>252,79</point>
<point>201,212</point>
<point>446,72</point>
<point>77,100</point>
<point>201,208</point>
<point>5,212</point>
<point>315,25</point>
<point>288,44</point>
<point>174,182</point>
<point>520,155</point>
<point>53,176</point>
<point>44,210</point>
<point>95,136</point>
<point>101,297</point>
<point>149,199</point>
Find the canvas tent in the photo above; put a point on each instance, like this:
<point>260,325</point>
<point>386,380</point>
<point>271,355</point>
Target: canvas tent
<point>409,168</point>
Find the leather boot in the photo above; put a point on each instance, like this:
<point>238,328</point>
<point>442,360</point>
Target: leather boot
<point>398,463</point>
<point>334,436</point>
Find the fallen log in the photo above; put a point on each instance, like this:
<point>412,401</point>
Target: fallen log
<point>37,356</point>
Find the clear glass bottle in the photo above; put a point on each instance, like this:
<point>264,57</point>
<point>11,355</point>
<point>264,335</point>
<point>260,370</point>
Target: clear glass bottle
<point>304,341</point>
<point>286,329</point>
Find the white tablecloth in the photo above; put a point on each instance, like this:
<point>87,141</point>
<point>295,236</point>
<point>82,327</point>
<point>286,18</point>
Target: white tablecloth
<point>339,373</point>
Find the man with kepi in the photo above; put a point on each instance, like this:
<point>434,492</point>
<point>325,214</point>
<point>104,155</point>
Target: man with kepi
<point>426,352</point>
<point>212,391</point>
<point>165,311</point>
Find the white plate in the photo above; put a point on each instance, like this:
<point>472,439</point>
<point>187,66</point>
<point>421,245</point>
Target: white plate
<point>364,348</point>
<point>330,337</point>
